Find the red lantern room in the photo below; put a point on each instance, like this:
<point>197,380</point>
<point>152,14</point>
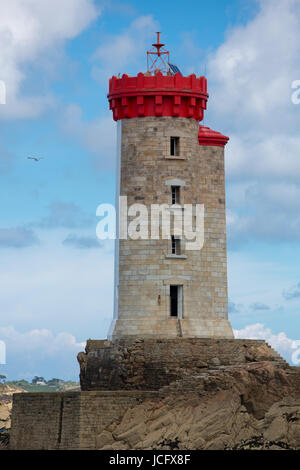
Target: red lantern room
<point>162,91</point>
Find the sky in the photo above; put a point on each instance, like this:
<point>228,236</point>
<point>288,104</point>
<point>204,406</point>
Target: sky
<point>56,58</point>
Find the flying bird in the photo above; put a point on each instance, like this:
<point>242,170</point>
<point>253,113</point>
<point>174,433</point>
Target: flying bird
<point>36,159</point>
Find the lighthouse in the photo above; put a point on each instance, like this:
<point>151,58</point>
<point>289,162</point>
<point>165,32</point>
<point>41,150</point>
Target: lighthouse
<point>166,159</point>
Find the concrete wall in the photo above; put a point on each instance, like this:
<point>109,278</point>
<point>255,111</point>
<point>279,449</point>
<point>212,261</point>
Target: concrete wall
<point>50,421</point>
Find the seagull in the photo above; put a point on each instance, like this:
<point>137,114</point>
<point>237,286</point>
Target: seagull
<point>36,159</point>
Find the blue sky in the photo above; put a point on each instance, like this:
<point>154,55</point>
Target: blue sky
<point>56,58</point>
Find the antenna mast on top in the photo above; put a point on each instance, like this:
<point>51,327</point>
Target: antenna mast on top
<point>157,58</point>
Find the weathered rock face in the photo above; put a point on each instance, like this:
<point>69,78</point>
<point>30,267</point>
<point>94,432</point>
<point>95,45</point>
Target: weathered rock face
<point>257,406</point>
<point>6,396</point>
<point>149,364</point>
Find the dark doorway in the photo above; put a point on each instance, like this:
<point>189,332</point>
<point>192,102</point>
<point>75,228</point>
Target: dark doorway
<point>174,301</point>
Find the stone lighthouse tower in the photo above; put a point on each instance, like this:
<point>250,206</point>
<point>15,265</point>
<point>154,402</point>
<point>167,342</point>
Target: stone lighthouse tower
<point>162,289</point>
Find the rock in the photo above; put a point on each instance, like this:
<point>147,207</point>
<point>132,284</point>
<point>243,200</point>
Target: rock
<point>4,440</point>
<point>258,353</point>
<point>6,394</point>
<point>104,439</point>
<point>215,361</point>
<point>201,364</point>
<point>199,443</point>
<point>243,407</point>
<point>282,423</point>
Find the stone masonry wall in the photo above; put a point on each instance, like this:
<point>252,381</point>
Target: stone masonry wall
<point>45,421</point>
<point>149,364</point>
<point>72,420</point>
<point>146,267</point>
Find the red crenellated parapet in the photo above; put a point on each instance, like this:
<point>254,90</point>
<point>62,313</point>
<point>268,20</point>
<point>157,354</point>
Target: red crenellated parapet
<point>158,95</point>
<point>207,136</point>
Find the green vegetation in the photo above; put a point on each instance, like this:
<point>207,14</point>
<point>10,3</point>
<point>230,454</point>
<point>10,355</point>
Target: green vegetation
<point>39,384</point>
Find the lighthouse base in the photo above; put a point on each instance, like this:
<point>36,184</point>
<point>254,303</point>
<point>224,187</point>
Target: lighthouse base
<point>150,364</point>
<point>170,328</point>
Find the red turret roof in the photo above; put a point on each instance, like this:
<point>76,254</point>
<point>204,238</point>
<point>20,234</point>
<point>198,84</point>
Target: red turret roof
<point>207,136</point>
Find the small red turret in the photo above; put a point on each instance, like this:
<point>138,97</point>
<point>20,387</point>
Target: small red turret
<point>207,136</point>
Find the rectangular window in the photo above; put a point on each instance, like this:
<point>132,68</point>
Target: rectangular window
<point>175,242</point>
<point>174,146</point>
<point>175,194</point>
<point>176,297</point>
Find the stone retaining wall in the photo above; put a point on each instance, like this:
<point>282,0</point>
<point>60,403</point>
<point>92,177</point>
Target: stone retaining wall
<point>149,364</point>
<point>71,420</point>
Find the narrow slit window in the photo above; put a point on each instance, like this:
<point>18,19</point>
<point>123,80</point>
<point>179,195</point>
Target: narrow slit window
<point>175,244</point>
<point>175,194</point>
<point>174,146</point>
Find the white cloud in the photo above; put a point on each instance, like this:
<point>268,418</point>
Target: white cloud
<point>29,31</point>
<point>250,78</point>
<point>262,281</point>
<point>253,70</point>
<point>119,8</point>
<point>273,156</point>
<point>50,286</point>
<point>17,237</point>
<point>82,242</point>
<point>65,214</point>
<point>41,340</point>
<point>270,211</point>
<point>292,293</point>
<point>120,52</point>
<point>98,136</point>
<point>52,299</point>
<point>35,352</point>
<point>280,342</point>
<point>259,306</point>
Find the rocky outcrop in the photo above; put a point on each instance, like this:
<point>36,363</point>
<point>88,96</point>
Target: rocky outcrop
<point>257,406</point>
<point>6,396</point>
